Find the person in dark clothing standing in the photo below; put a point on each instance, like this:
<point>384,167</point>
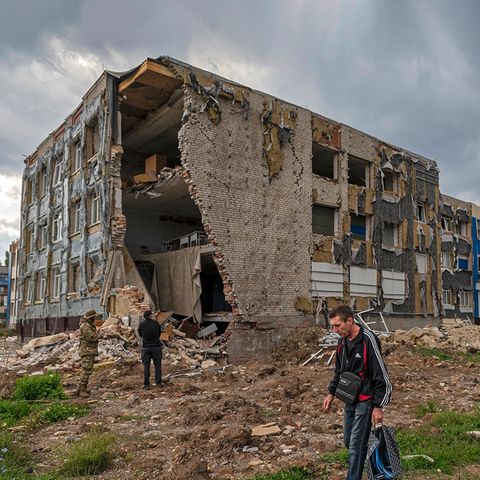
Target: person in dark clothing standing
<point>150,330</point>
<point>358,352</point>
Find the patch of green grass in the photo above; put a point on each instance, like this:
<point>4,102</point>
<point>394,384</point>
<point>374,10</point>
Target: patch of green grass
<point>55,412</point>
<point>434,352</point>
<point>40,387</point>
<point>460,357</point>
<point>11,412</point>
<point>341,457</point>
<point>430,407</point>
<point>444,439</point>
<point>91,455</point>
<point>294,473</point>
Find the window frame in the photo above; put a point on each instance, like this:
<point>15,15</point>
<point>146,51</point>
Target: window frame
<point>94,209</point>
<point>57,228</point>
<point>395,228</point>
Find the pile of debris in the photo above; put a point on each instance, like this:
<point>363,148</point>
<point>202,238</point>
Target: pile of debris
<point>459,338</point>
<point>60,351</point>
<point>130,299</point>
<point>117,342</point>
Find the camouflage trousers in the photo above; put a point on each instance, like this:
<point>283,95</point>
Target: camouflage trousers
<point>87,369</point>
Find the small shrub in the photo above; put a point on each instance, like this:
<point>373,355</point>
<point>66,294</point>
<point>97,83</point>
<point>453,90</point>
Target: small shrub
<point>90,456</point>
<point>430,407</point>
<point>11,411</point>
<point>48,386</point>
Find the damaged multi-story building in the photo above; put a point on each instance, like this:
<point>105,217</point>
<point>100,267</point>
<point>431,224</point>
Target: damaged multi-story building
<point>225,205</point>
<point>456,257</point>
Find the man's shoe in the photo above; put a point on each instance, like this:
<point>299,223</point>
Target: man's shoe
<point>146,387</point>
<point>82,393</point>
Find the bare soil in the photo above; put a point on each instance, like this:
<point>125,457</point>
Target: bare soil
<point>199,428</point>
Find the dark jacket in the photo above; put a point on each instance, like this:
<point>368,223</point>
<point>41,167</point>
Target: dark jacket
<point>150,331</point>
<point>365,359</point>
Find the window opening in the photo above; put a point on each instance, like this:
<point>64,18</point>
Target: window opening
<point>323,161</point>
<point>323,220</point>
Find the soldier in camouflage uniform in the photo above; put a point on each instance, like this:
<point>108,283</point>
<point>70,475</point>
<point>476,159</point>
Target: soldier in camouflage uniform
<point>88,349</point>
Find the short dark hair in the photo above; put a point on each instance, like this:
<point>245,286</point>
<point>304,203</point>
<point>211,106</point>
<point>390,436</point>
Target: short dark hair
<point>342,311</point>
<point>147,314</point>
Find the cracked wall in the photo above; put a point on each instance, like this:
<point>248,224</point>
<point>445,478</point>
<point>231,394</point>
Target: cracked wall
<point>257,215</point>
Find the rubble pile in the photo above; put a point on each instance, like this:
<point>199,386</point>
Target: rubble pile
<point>117,341</point>
<point>60,351</point>
<point>133,297</point>
<point>184,351</point>
<point>460,338</point>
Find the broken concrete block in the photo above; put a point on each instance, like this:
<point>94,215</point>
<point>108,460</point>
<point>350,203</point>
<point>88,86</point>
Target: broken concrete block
<point>44,341</point>
<point>209,364</point>
<point>205,332</point>
<point>266,430</point>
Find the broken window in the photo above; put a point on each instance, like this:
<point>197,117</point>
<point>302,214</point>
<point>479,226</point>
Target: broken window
<point>29,239</point>
<point>390,182</point>
<point>323,220</point>
<point>462,263</point>
<point>92,139</point>
<point>478,263</point>
<point>323,161</point>
<point>465,298</point>
<point>92,266</point>
<point>446,224</point>
<point>40,283</point>
<point>358,226</point>
<point>358,171</point>
<point>94,213</point>
<point>75,218</point>
<point>462,228</point>
<point>446,259</point>
<point>421,212</point>
<point>28,289</point>
<point>42,182</point>
<point>390,234</point>
<point>74,277</point>
<point>55,278</point>
<point>57,227</point>
<point>28,191</point>
<point>77,156</point>
<point>43,236</point>
<point>447,297</point>
<point>57,173</point>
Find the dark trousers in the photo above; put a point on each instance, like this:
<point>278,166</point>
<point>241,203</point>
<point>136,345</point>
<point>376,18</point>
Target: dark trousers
<point>357,423</point>
<point>155,354</point>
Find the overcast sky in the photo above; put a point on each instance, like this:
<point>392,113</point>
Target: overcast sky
<point>405,71</point>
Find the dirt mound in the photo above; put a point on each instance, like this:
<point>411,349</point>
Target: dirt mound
<point>461,338</point>
<point>299,346</point>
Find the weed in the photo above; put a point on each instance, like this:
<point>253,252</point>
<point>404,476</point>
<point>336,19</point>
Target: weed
<point>294,473</point>
<point>91,455</point>
<point>341,456</point>
<point>11,412</point>
<point>55,412</point>
<point>430,407</point>
<point>48,386</point>
<point>434,352</point>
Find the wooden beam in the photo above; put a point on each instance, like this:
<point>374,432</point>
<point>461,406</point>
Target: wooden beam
<point>145,67</point>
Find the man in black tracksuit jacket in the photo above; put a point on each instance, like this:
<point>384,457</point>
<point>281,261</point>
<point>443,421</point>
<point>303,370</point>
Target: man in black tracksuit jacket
<point>358,352</point>
<point>150,330</point>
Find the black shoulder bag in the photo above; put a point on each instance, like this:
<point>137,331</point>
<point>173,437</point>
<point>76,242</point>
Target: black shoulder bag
<point>349,385</point>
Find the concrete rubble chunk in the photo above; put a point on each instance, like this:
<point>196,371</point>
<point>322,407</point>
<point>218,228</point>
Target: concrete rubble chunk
<point>46,341</point>
<point>266,430</point>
